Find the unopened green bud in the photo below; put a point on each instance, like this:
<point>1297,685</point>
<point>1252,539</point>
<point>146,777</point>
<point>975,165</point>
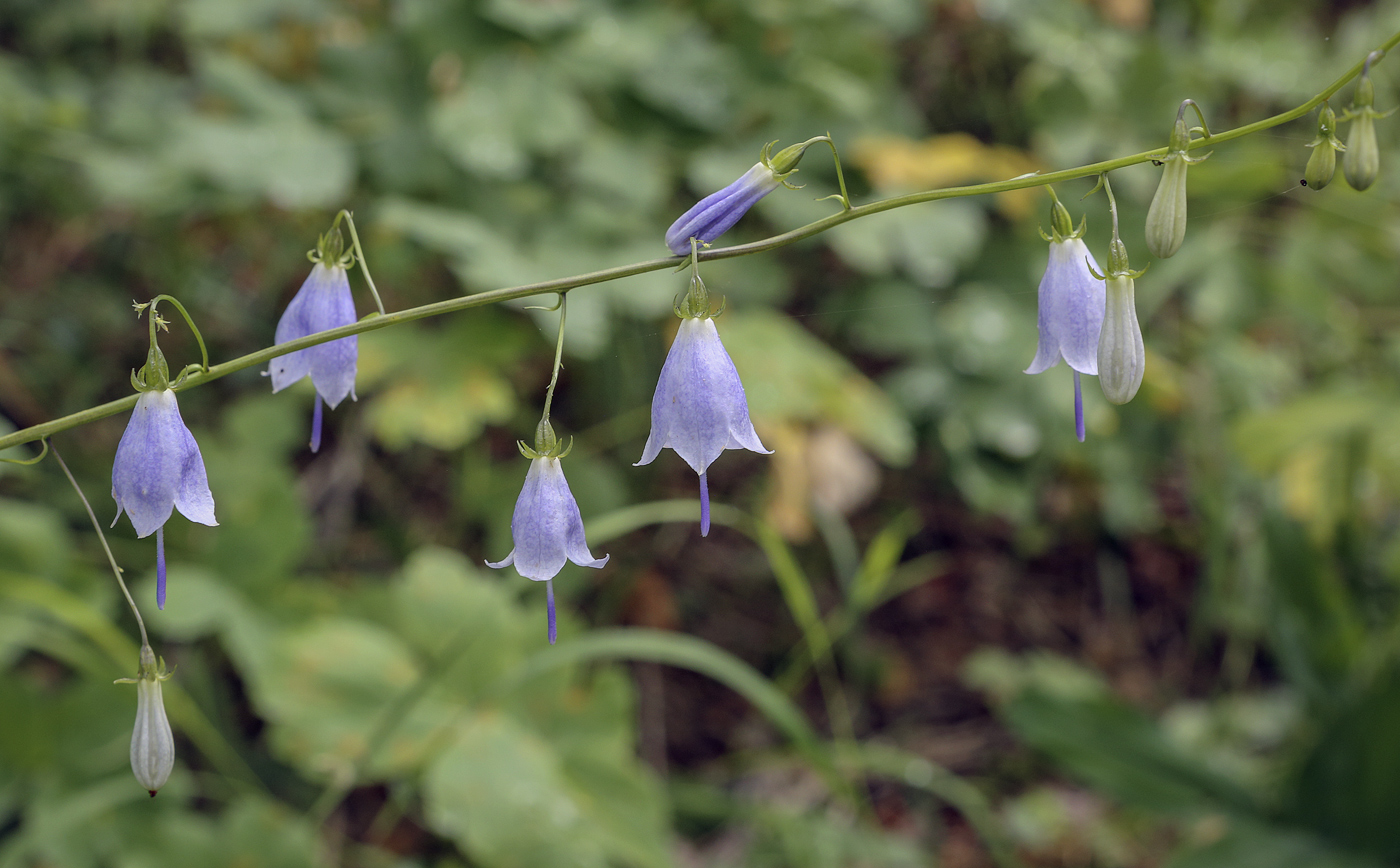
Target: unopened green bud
<point>1362,162</point>
<point>1322,165</point>
<point>1122,356</point>
<point>1166,217</point>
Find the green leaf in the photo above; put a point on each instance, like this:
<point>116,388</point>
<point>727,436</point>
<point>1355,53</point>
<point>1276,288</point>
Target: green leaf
<point>500,793</point>
<point>329,683</point>
<point>790,375</point>
<point>1348,786</point>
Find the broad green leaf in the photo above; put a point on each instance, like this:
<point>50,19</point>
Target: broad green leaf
<point>791,376</point>
<point>501,794</point>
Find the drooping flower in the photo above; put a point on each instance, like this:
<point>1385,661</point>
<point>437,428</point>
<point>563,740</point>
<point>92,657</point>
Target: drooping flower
<point>152,742</point>
<point>712,216</point>
<point>323,302</point>
<point>1070,308</point>
<point>158,469</point>
<point>699,408</point>
<point>546,527</point>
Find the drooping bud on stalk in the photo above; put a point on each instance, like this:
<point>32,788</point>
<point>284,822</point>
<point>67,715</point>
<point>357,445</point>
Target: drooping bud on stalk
<point>1322,165</point>
<point>1166,217</point>
<point>1362,163</point>
<point>152,742</point>
<point>1122,356</point>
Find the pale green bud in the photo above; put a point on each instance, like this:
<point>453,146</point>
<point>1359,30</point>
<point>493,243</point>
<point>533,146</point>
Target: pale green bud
<point>1322,165</point>
<point>1166,217</point>
<point>1122,356</point>
<point>1362,162</point>
<point>152,742</point>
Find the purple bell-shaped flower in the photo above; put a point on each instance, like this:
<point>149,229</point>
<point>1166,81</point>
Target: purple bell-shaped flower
<point>546,527</point>
<point>323,302</point>
<point>158,468</point>
<point>1071,308</point>
<point>713,215</point>
<point>699,408</point>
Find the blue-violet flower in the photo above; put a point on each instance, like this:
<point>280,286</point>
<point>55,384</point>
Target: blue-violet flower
<point>157,469</point>
<point>712,216</point>
<point>1071,308</point>
<point>323,302</point>
<point>546,527</point>
<point>699,408</point>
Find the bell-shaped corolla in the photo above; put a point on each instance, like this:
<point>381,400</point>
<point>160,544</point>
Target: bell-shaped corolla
<point>1070,314</point>
<point>158,469</point>
<point>323,302</point>
<point>699,408</point>
<point>547,530</point>
<point>152,742</point>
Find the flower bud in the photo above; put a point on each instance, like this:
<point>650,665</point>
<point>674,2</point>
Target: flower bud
<point>1122,356</point>
<point>1166,217</point>
<point>1322,165</point>
<point>152,742</point>
<point>1362,162</point>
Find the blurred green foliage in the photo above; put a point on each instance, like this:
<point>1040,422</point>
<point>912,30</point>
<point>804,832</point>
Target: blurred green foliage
<point>353,688</point>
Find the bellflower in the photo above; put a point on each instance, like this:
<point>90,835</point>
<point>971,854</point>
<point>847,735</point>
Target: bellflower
<point>1070,308</point>
<point>158,469</point>
<point>712,216</point>
<point>323,302</point>
<point>546,527</point>
<point>152,742</point>
<point>699,408</point>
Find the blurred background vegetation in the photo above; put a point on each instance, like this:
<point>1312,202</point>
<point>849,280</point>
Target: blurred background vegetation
<point>932,629</point>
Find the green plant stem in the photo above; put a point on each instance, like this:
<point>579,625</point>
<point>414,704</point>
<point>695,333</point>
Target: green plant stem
<point>374,322</point>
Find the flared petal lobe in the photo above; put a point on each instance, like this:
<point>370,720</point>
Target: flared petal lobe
<point>323,302</point>
<point>158,467</point>
<point>712,216</point>
<point>699,408</point>
<point>546,528</point>
<point>1071,309</point>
